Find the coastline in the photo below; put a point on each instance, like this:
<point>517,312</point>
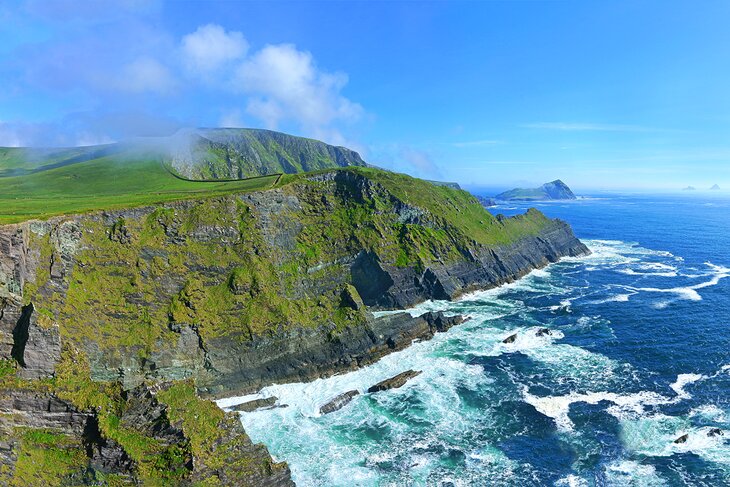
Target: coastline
<point>227,402</point>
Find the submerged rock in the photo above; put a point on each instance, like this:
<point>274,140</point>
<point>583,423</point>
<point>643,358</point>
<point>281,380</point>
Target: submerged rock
<point>338,402</point>
<point>394,382</point>
<point>682,439</point>
<point>250,406</point>
<point>715,432</point>
<point>543,332</point>
<point>510,339</point>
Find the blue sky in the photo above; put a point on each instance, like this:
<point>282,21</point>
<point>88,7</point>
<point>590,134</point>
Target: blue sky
<point>604,95</point>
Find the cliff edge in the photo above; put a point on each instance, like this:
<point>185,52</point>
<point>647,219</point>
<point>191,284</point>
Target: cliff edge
<point>113,324</point>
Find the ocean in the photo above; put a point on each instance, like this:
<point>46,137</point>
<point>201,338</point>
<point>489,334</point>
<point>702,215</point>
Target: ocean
<point>638,356</point>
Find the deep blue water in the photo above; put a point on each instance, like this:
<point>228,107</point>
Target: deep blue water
<point>639,355</point>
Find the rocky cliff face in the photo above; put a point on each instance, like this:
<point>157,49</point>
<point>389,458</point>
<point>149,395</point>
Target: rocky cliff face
<point>228,294</point>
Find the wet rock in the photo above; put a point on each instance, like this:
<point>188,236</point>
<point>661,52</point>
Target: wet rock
<point>510,339</point>
<point>338,402</point>
<point>543,332</point>
<point>715,432</point>
<point>682,439</point>
<point>395,381</point>
<point>250,406</point>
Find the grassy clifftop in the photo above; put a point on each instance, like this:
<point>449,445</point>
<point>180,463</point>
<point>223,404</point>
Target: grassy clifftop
<point>40,183</point>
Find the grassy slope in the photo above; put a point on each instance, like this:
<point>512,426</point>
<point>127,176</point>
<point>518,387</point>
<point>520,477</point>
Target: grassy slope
<point>456,207</point>
<point>104,183</point>
<point>109,183</point>
<point>252,152</point>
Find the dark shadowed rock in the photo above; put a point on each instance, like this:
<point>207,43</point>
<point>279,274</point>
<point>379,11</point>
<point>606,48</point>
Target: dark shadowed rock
<point>146,415</point>
<point>715,432</point>
<point>682,439</point>
<point>510,339</point>
<point>338,402</point>
<point>250,406</point>
<point>395,381</point>
<point>543,332</point>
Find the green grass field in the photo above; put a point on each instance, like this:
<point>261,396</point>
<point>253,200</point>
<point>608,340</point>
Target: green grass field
<point>104,183</point>
<point>115,181</point>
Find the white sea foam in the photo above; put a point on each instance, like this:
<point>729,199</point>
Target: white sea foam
<point>655,436</point>
<point>650,269</point>
<point>616,298</point>
<point>558,407</point>
<point>709,413</point>
<point>571,481</point>
<point>628,472</point>
<point>690,293</point>
<point>684,380</point>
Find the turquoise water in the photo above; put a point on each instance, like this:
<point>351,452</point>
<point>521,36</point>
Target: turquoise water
<point>639,355</point>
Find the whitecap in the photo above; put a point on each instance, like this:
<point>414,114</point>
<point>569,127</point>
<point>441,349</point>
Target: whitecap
<point>655,436</point>
<point>558,407</point>
<point>629,472</point>
<point>684,380</point>
<point>709,413</point>
<point>571,481</point>
<point>690,292</point>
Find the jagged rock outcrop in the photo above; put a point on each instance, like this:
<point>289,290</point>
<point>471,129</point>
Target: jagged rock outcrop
<point>395,381</point>
<point>338,402</point>
<point>304,356</point>
<point>253,405</point>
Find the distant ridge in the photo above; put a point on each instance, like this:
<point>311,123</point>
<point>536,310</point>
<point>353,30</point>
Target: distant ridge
<point>689,188</point>
<point>554,190</point>
<point>195,154</point>
<point>445,183</point>
<point>715,187</point>
<point>224,154</point>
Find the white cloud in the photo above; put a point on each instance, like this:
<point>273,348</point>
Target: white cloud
<point>231,119</point>
<point>421,162</point>
<point>285,85</point>
<point>146,74</point>
<point>210,47</point>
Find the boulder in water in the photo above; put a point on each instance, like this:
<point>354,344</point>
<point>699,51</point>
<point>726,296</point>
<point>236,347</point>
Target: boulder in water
<point>395,382</point>
<point>715,432</point>
<point>543,332</point>
<point>338,402</point>
<point>249,406</point>
<point>682,439</point>
<point>510,339</point>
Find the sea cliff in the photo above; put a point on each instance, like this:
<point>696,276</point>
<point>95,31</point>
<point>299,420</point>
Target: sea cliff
<point>116,323</point>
